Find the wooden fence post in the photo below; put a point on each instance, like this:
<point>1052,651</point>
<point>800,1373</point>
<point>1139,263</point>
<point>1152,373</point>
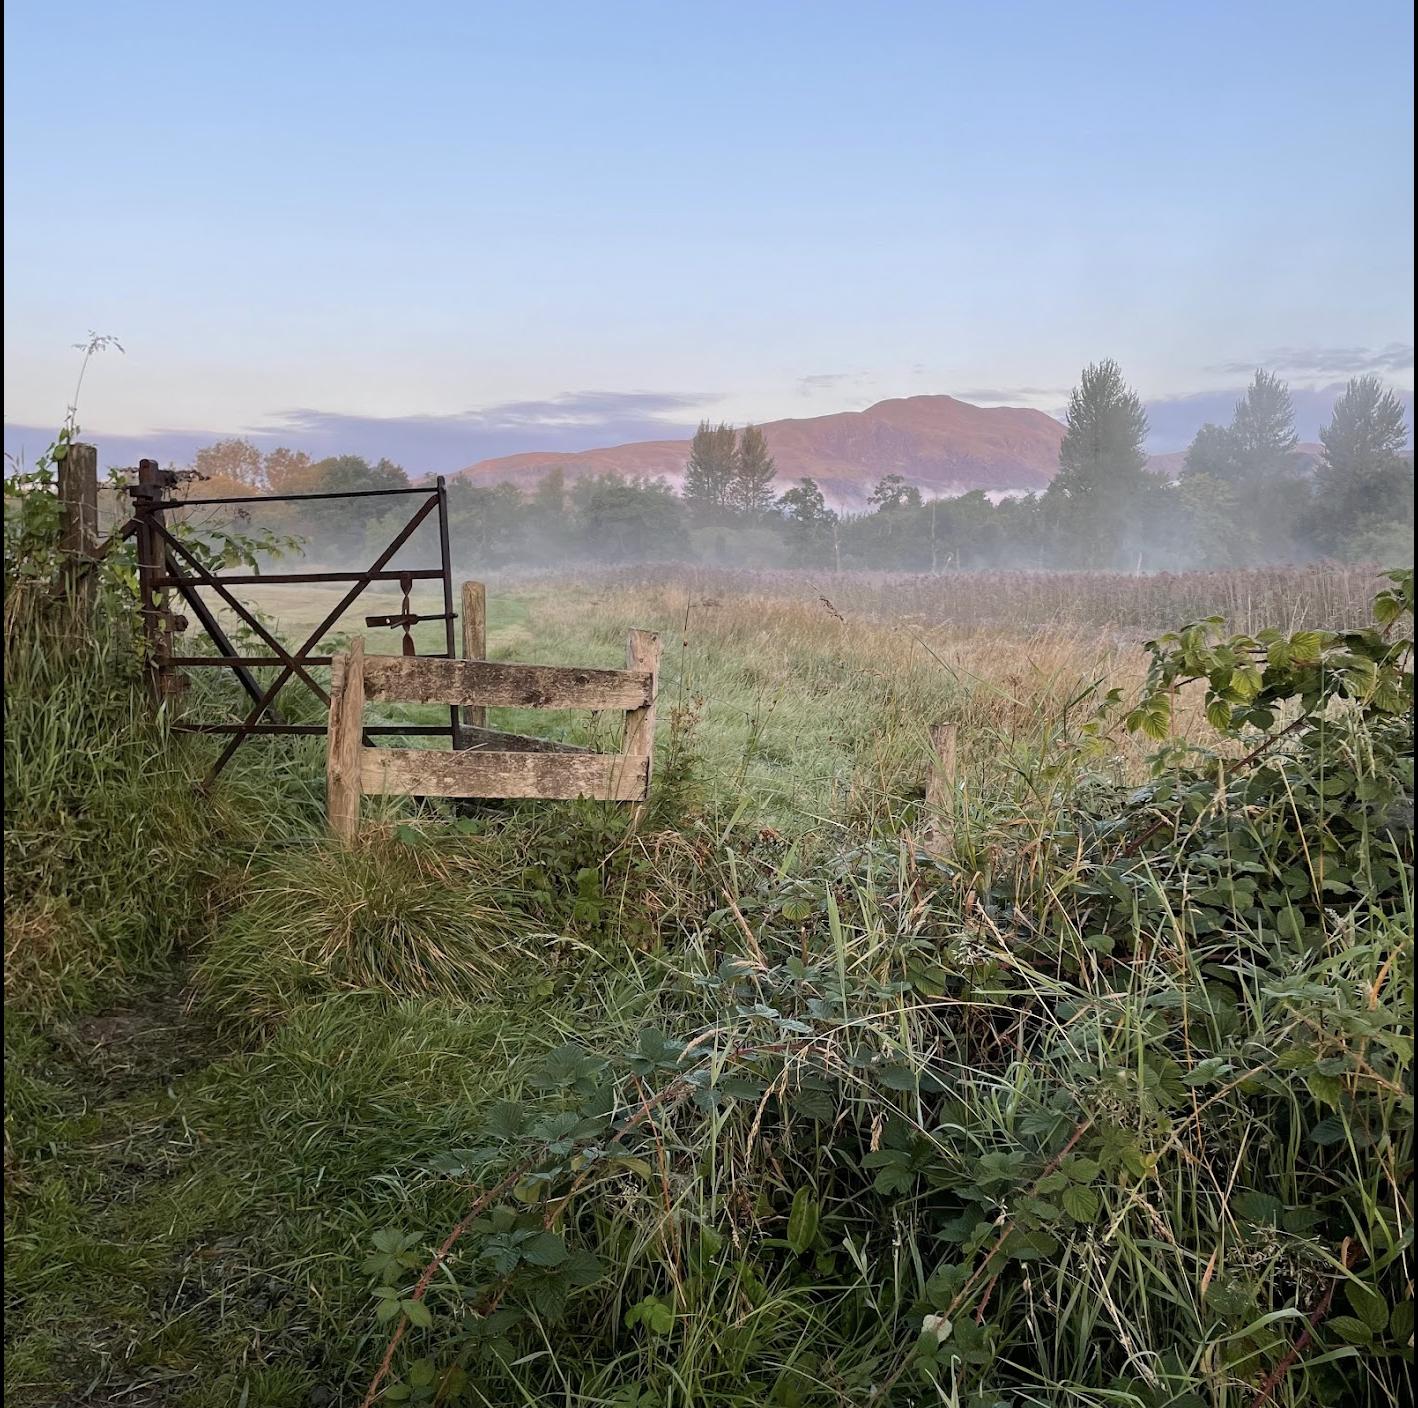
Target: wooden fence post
<point>940,788</point>
<point>642,652</point>
<point>78,500</point>
<point>342,757</point>
<point>474,643</point>
<point>78,530</point>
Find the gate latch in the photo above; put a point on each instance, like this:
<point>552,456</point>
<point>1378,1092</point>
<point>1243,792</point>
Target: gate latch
<point>407,618</point>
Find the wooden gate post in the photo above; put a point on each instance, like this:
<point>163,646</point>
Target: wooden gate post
<point>152,597</point>
<point>342,764</point>
<point>474,643</point>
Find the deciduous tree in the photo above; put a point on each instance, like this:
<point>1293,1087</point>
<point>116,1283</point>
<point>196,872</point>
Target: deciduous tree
<point>893,492</point>
<point>230,466</point>
<point>1212,453</point>
<point>811,526</point>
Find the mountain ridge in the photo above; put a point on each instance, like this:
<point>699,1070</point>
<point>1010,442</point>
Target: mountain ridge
<point>941,444</point>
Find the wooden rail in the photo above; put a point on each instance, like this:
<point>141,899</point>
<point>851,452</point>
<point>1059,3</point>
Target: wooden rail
<point>411,680</point>
<point>422,772</point>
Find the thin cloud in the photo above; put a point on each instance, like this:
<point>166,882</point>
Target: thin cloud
<point>830,381</point>
<point>579,409</point>
<point>1327,361</point>
<point>423,444</point>
<point>1010,394</point>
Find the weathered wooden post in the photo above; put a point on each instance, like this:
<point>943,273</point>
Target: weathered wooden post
<point>342,763</point>
<point>78,528</point>
<point>78,500</point>
<point>642,652</point>
<point>940,788</point>
<point>474,643</point>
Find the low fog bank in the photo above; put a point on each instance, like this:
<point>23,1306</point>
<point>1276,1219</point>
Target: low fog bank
<point>1242,496</point>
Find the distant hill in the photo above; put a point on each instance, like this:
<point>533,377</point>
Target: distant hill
<point>940,444</point>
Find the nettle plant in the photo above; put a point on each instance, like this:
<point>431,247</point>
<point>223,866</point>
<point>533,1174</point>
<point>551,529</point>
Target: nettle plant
<point>32,513</point>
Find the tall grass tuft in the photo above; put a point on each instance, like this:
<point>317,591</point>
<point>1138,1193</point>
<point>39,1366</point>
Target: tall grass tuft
<point>108,849</point>
<point>403,918</point>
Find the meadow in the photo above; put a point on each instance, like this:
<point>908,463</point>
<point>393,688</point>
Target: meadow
<point>1092,1087</point>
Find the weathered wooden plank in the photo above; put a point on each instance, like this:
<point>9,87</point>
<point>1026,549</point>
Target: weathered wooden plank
<point>492,740</point>
<point>412,680</point>
<point>424,773</point>
<point>642,652</point>
<point>474,644</point>
<point>342,756</point>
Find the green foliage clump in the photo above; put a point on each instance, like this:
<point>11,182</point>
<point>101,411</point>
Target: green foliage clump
<point>1313,817</point>
<point>406,918</point>
<point>114,854</point>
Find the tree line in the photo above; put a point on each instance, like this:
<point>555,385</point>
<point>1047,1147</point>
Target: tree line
<point>1245,495</point>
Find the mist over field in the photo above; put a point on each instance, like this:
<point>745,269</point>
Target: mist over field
<point>973,489</point>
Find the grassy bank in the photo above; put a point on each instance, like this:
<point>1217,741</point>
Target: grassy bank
<point>1095,1101</point>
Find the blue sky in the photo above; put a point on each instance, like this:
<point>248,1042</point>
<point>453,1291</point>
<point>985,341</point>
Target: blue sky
<point>451,230</point>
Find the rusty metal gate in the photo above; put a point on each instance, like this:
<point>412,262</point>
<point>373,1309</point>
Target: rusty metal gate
<point>167,565</point>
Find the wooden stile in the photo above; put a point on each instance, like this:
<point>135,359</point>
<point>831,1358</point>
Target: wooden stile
<point>488,762</point>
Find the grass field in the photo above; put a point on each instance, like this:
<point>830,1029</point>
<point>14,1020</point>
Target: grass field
<point>1012,1121</point>
<point>809,689</point>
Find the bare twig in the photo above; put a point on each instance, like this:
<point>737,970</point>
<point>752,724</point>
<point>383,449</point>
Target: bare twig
<point>1080,1129</point>
<point>1273,1379</point>
<point>478,1206</point>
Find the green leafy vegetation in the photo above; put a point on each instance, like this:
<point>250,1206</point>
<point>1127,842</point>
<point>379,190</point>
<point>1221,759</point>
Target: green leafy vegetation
<point>1093,1087</point>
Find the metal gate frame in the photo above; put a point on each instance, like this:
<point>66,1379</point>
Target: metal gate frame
<point>167,564</point>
